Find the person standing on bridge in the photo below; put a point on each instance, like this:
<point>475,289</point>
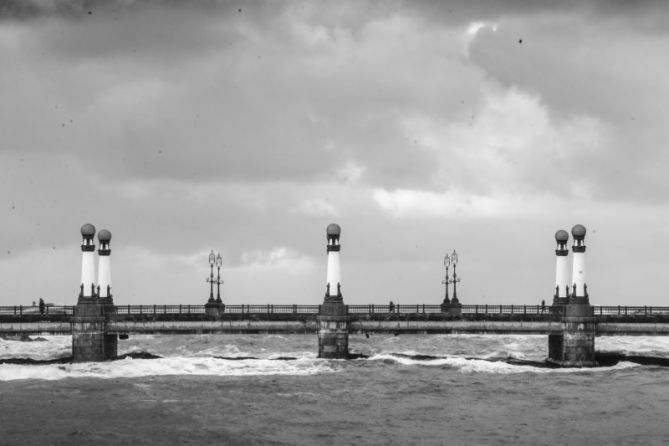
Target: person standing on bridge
<point>41,306</point>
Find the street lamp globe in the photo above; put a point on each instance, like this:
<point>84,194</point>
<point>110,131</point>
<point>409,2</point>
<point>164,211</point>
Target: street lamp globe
<point>219,260</point>
<point>212,258</point>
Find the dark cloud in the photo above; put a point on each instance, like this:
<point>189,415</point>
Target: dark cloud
<point>251,101</point>
<point>78,9</point>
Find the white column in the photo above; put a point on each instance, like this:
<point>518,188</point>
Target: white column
<point>578,270</point>
<point>104,275</point>
<point>104,263</point>
<point>579,273</point>
<point>562,276</point>
<point>88,281</point>
<point>562,265</point>
<point>334,270</point>
<point>88,272</point>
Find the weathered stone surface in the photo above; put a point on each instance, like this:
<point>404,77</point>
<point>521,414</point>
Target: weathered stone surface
<point>575,345</point>
<point>333,329</point>
<point>214,309</point>
<point>90,340</point>
<point>452,308</point>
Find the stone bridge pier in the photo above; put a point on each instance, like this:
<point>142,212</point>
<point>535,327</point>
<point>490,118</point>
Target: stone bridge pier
<point>333,329</point>
<point>90,341</point>
<point>575,345</point>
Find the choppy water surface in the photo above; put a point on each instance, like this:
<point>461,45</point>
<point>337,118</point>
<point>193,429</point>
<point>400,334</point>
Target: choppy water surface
<point>260,389</point>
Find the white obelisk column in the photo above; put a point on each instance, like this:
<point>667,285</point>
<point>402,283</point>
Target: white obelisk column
<point>88,285</point>
<point>561,267</point>
<point>579,287</point>
<point>104,265</point>
<point>333,287</point>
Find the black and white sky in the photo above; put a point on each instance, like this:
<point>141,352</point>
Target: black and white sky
<point>420,127</point>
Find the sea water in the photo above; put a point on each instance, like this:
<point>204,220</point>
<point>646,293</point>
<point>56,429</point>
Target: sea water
<point>272,389</point>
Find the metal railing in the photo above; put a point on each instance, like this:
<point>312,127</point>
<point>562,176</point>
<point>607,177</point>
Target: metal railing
<point>505,309</point>
<point>485,309</point>
<point>396,308</point>
<point>159,309</point>
<point>630,311</point>
<point>20,310</point>
<point>273,309</point>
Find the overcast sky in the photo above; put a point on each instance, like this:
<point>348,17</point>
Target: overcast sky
<point>419,127</point>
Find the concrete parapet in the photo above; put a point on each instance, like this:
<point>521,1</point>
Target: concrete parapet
<point>36,328</point>
<point>632,328</point>
<point>220,326</point>
<point>455,326</point>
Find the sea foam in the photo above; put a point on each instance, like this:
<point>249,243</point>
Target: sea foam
<point>178,365</point>
<point>483,365</point>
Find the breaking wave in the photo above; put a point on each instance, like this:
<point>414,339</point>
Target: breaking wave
<point>50,358</point>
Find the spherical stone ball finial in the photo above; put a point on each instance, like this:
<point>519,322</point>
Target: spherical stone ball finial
<point>104,236</point>
<point>578,231</point>
<point>333,230</point>
<point>88,231</point>
<point>562,236</point>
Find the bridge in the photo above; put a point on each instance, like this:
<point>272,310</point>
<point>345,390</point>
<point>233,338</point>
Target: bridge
<point>372,318</point>
<point>571,322</point>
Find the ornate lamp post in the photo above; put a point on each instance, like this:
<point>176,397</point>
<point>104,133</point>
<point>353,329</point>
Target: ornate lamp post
<point>455,280</point>
<point>219,263</point>
<point>210,279</point>
<point>447,263</point>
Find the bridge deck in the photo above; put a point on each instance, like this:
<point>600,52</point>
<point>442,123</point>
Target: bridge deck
<point>370,309</point>
<point>510,319</point>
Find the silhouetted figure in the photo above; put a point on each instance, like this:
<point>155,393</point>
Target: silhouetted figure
<point>543,305</point>
<point>41,306</point>
<point>391,307</point>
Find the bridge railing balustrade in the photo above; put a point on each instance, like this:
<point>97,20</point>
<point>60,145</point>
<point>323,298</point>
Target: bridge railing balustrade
<point>619,310</point>
<point>485,309</point>
<point>504,309</point>
<point>352,309</point>
<point>159,309</point>
<point>20,310</point>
